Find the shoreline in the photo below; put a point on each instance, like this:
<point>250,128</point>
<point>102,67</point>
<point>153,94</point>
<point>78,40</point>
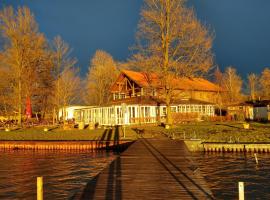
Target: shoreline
<point>245,147</point>
<point>64,144</point>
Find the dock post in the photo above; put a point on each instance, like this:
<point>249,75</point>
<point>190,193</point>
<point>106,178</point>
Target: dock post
<point>241,190</point>
<point>39,188</point>
<point>256,159</point>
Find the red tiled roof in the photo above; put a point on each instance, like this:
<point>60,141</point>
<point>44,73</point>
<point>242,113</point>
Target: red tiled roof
<point>146,80</point>
<point>141,78</point>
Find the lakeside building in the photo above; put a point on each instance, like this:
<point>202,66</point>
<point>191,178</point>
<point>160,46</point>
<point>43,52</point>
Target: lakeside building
<point>261,110</point>
<point>241,111</point>
<point>70,111</point>
<point>250,110</point>
<point>138,99</point>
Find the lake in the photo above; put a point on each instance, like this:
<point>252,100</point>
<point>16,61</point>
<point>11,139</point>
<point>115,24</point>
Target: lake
<point>223,171</point>
<point>66,173</point>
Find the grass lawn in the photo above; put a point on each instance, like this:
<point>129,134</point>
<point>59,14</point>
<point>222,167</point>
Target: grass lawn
<point>219,132</point>
<point>207,132</point>
<point>60,134</point>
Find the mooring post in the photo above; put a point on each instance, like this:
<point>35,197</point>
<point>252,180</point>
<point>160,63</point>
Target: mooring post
<point>39,188</point>
<point>256,159</point>
<point>241,190</point>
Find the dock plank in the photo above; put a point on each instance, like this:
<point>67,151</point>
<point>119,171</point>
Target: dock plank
<point>156,168</point>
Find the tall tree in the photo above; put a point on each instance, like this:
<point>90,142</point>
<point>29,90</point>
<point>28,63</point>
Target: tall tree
<point>265,83</point>
<point>253,83</point>
<point>23,52</point>
<point>6,98</point>
<point>102,73</point>
<point>70,88</point>
<point>218,80</point>
<point>172,43</point>
<point>62,63</point>
<point>233,85</point>
<point>44,87</point>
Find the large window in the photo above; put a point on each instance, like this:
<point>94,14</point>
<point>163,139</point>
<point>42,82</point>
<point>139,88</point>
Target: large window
<point>119,96</point>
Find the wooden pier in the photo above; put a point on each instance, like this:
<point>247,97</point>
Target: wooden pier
<point>157,168</point>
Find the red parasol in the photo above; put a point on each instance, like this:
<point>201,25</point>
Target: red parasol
<point>28,111</point>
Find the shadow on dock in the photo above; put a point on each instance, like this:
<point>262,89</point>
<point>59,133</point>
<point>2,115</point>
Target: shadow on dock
<point>190,179</point>
<point>149,169</point>
<point>113,188</point>
<point>111,140</point>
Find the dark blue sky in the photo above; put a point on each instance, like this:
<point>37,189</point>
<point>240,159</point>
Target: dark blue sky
<point>242,28</point>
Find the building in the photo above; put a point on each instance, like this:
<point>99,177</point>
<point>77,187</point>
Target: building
<point>70,111</point>
<point>138,99</point>
<point>261,110</point>
<point>135,84</point>
<point>241,111</point>
<point>250,110</point>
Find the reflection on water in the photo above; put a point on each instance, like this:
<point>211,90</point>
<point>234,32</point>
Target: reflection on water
<point>223,171</point>
<point>64,173</point>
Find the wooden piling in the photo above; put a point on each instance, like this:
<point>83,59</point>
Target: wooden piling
<point>256,159</point>
<point>241,190</point>
<point>39,188</point>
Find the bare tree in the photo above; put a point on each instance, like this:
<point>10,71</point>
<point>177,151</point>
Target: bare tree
<point>62,63</point>
<point>6,98</point>
<point>232,82</point>
<point>45,87</point>
<point>23,52</point>
<point>253,83</point>
<point>172,43</point>
<point>218,80</point>
<point>102,73</point>
<point>70,88</point>
<point>265,83</point>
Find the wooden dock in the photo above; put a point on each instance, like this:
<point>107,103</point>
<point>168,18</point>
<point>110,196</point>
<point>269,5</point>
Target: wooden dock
<point>156,168</point>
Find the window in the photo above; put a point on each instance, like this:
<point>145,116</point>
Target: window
<point>196,109</point>
<point>188,108</point>
<point>191,108</point>
<point>164,111</point>
<point>147,111</point>
<point>184,109</point>
<point>173,109</point>
<point>122,96</point>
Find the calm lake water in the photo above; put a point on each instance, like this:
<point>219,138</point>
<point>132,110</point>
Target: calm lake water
<point>223,171</point>
<point>64,173</point>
